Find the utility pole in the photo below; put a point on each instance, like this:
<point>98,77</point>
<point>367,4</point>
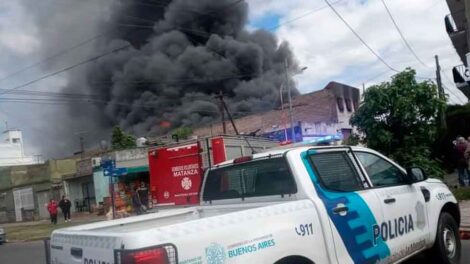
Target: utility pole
<point>224,107</point>
<point>283,121</point>
<point>82,146</point>
<point>442,96</point>
<point>222,111</point>
<point>82,142</point>
<point>289,94</point>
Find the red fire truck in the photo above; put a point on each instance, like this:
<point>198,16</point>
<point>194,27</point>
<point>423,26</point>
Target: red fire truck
<point>176,170</point>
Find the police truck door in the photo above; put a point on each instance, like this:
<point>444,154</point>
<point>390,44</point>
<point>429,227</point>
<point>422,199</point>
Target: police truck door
<point>405,225</point>
<point>353,209</point>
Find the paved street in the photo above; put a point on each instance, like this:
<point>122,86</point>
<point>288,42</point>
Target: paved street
<point>464,260</point>
<point>33,252</point>
<point>16,253</point>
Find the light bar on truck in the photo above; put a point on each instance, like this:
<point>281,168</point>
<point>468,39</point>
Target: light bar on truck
<point>162,254</point>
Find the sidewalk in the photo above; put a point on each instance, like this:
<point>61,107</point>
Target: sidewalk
<point>37,230</point>
<point>465,215</point>
<point>452,181</point>
<point>76,218</point>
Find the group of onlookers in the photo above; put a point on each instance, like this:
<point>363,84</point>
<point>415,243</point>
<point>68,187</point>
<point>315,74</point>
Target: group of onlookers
<point>64,205</point>
<point>462,150</point>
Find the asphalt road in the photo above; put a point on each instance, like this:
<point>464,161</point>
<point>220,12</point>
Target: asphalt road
<point>33,252</point>
<point>16,253</point>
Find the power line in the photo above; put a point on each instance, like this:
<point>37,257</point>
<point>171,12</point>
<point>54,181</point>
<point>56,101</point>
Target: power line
<point>360,38</point>
<point>67,50</point>
<point>88,60</point>
<point>179,82</point>
<point>65,102</point>
<point>53,56</point>
<point>407,44</point>
<point>449,90</point>
<point>66,69</point>
<point>456,96</point>
<point>302,16</point>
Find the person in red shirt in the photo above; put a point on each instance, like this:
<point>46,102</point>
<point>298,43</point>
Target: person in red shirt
<point>52,208</point>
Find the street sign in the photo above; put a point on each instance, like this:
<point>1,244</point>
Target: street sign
<point>114,172</point>
<point>119,172</point>
<point>110,170</point>
<point>108,164</point>
<point>107,171</point>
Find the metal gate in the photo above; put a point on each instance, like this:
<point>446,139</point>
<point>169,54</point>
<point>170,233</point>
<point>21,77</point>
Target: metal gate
<point>24,200</point>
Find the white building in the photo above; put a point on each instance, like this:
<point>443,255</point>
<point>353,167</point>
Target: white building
<point>12,151</point>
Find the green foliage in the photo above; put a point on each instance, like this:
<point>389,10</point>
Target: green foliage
<point>399,119</point>
<point>183,132</point>
<point>121,140</point>
<point>353,140</point>
<point>421,157</point>
<point>462,194</point>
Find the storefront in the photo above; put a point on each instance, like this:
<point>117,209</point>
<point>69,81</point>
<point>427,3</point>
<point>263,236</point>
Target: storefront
<point>130,189</point>
<point>79,187</point>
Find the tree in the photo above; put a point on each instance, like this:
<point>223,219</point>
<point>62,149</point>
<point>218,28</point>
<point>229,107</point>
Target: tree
<point>121,140</point>
<point>399,119</point>
<point>182,132</point>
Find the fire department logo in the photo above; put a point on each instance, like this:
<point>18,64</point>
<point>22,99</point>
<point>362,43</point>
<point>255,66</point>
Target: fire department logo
<point>166,195</point>
<point>186,183</point>
<point>215,254</point>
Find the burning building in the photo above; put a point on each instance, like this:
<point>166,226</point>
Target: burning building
<point>324,113</point>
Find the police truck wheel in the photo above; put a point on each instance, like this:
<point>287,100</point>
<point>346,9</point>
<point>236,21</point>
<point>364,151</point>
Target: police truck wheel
<point>447,245</point>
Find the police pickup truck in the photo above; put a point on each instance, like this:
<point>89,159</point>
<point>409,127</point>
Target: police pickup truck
<point>299,205</point>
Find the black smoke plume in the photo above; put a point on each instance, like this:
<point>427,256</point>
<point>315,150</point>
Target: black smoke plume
<point>182,53</point>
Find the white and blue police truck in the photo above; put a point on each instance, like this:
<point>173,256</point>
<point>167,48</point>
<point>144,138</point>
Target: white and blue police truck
<point>297,205</point>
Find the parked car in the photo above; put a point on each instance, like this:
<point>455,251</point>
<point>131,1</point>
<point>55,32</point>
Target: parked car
<point>3,235</point>
<point>304,205</point>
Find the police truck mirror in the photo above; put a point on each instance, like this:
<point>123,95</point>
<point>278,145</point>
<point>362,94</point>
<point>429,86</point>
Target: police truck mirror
<point>416,174</point>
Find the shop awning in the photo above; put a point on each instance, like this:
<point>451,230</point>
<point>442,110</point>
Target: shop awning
<point>137,169</point>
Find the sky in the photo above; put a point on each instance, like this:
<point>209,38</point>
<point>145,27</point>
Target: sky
<point>319,39</point>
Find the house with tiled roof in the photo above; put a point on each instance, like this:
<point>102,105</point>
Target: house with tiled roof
<point>315,115</point>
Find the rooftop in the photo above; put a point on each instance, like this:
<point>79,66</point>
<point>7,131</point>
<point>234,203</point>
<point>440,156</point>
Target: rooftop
<point>315,107</point>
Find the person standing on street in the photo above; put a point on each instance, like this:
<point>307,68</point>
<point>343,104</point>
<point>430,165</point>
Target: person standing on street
<point>136,203</point>
<point>467,157</point>
<point>143,193</point>
<point>462,165</point>
<point>65,205</point>
<point>52,209</point>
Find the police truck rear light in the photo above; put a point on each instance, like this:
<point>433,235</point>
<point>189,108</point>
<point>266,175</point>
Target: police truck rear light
<point>242,159</point>
<point>165,254</point>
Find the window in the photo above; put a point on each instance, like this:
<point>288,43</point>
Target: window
<point>336,172</point>
<point>348,105</point>
<point>251,179</point>
<point>380,171</point>
<point>340,103</point>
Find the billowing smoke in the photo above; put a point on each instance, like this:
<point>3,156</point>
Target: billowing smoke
<point>171,58</point>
